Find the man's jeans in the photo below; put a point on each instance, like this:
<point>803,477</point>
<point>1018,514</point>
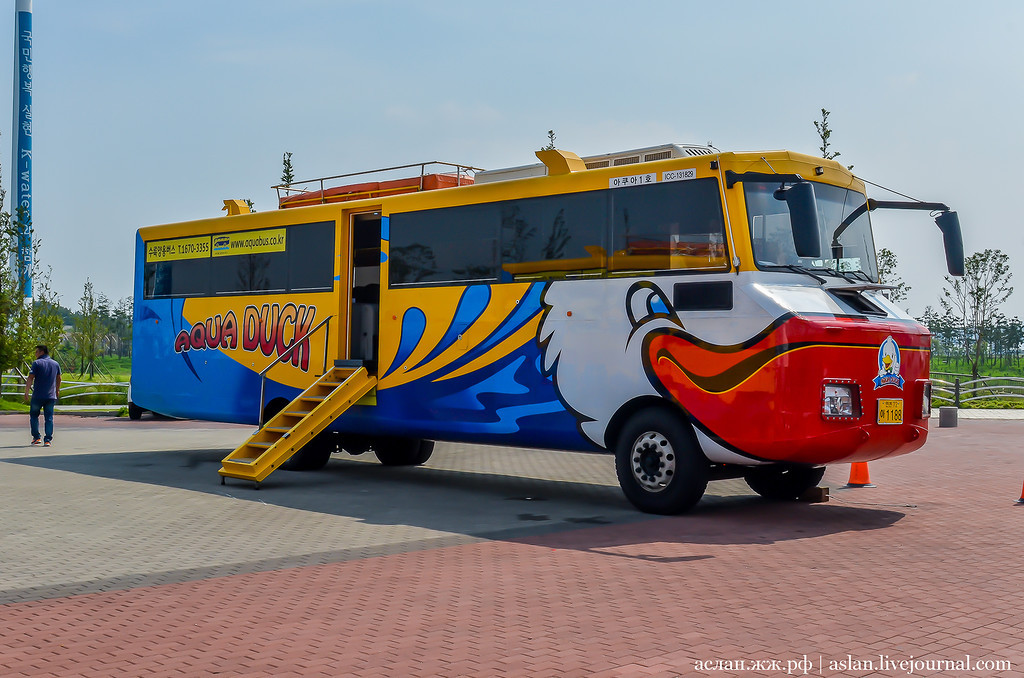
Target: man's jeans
<point>47,408</point>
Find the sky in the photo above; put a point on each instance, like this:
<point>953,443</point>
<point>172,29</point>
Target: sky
<point>155,112</point>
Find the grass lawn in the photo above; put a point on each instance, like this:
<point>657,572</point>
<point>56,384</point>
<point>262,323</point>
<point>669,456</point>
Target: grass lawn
<point>98,378</point>
<point>13,406</point>
<point>119,369</point>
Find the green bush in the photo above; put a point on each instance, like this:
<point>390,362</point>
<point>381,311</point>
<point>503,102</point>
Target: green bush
<point>997,404</point>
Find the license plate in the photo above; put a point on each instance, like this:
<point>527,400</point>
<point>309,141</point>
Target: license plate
<point>890,411</point>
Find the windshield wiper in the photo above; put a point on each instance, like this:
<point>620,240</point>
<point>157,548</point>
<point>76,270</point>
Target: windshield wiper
<point>845,275</point>
<point>796,269</point>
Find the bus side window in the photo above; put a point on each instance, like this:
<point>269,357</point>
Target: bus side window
<point>311,257</point>
<point>183,278</point>
<point>668,226</point>
<point>152,285</point>
<point>450,244</point>
<point>553,236</point>
<point>241,273</point>
<point>305,265</point>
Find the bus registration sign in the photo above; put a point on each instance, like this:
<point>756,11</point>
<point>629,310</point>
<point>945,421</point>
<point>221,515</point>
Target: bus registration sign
<point>249,242</point>
<point>890,411</point>
<point>634,180</point>
<point>180,248</point>
<point>680,175</point>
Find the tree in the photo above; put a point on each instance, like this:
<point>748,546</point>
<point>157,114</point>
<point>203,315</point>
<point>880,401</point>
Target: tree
<point>251,204</point>
<point>287,175</point>
<point>16,339</point>
<point>932,321</point>
<point>887,275</point>
<point>1014,339</point>
<point>105,313</point>
<point>47,321</point>
<point>16,330</point>
<point>103,307</point>
<point>122,325</point>
<point>551,141</point>
<point>974,299</point>
<point>825,133</point>
<point>88,330</point>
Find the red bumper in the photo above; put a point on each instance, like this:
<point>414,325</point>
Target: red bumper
<point>764,398</point>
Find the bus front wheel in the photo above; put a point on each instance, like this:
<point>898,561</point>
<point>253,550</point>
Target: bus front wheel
<point>660,468</point>
<point>783,483</point>
<point>403,451</point>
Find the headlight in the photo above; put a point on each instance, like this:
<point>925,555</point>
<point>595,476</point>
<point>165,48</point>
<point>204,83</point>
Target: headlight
<point>926,400</point>
<point>840,401</point>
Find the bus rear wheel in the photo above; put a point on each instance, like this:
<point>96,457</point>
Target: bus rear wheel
<point>315,454</point>
<point>403,451</point>
<point>783,483</point>
<point>660,468</point>
<point>134,411</point>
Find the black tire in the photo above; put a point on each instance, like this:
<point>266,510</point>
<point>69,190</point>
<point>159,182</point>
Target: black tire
<point>783,483</point>
<point>660,467</point>
<point>315,454</point>
<point>403,451</point>
<point>134,411</point>
<point>272,408</point>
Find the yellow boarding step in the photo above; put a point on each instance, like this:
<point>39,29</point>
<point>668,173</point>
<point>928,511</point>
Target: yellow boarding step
<point>297,424</point>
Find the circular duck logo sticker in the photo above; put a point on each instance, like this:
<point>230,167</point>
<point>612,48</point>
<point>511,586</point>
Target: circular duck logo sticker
<point>889,365</point>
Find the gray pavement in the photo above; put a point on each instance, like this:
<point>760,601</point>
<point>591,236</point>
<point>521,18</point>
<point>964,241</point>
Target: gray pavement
<point>117,503</point>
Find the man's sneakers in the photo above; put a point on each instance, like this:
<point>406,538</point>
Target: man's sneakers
<point>46,444</point>
<point>37,441</point>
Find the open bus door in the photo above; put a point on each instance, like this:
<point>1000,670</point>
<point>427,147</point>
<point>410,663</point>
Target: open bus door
<point>296,435</point>
<point>364,285</point>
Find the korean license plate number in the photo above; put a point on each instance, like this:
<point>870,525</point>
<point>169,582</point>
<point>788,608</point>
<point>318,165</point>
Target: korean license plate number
<point>890,411</point>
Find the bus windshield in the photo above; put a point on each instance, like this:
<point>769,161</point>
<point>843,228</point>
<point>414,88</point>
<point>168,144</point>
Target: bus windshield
<point>772,234</point>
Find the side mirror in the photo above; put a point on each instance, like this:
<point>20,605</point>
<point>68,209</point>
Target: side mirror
<point>953,241</point>
<point>803,215</point>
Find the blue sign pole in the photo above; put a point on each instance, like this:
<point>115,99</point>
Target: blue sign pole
<point>21,166</point>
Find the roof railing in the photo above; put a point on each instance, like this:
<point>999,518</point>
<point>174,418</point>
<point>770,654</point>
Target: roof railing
<point>304,186</point>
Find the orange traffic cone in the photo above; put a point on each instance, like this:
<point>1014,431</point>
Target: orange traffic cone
<point>859,475</point>
<point>1021,500</point>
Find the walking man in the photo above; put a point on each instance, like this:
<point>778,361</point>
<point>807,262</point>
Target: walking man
<point>42,390</point>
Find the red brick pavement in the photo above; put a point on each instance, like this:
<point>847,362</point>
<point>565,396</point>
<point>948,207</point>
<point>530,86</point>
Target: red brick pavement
<point>926,565</point>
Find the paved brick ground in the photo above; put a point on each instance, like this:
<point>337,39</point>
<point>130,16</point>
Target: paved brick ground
<point>925,565</point>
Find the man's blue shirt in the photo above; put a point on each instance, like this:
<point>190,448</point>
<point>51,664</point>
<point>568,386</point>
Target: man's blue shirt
<point>45,370</point>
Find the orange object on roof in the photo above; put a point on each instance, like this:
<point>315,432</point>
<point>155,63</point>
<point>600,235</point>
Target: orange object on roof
<point>374,189</point>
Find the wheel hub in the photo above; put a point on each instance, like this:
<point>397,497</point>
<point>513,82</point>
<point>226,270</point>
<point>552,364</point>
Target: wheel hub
<point>653,461</point>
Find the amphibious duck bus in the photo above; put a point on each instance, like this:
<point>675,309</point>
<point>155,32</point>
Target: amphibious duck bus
<point>700,315</point>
